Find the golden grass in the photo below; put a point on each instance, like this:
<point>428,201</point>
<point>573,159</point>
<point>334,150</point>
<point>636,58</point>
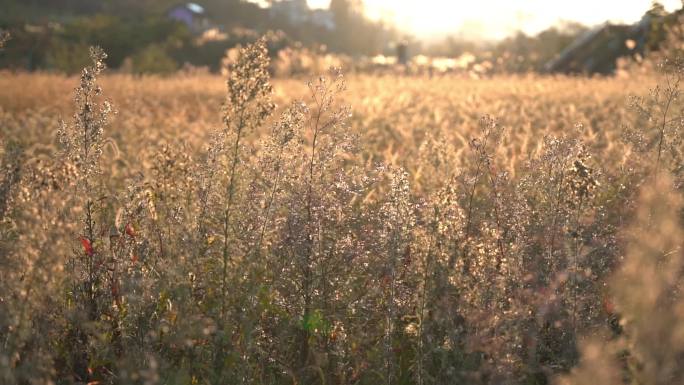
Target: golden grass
<point>392,115</point>
<point>306,256</point>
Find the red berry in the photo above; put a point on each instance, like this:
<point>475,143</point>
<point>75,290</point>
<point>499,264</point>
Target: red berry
<point>87,246</point>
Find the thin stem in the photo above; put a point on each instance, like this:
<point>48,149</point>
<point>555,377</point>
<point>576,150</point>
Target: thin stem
<point>575,266</point>
<point>227,211</point>
<point>554,213</point>
<point>497,218</point>
<point>670,98</point>
<point>266,214</point>
<point>478,170</point>
<point>306,285</point>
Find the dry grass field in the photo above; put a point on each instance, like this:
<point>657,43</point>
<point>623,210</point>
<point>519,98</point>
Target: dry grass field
<point>368,230</point>
<point>392,115</point>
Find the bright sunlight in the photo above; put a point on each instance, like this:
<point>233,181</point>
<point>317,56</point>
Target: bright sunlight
<point>475,20</point>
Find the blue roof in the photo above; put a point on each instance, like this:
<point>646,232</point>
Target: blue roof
<point>194,7</point>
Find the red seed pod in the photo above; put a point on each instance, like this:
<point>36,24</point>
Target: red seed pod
<point>608,305</point>
<point>115,289</point>
<point>130,230</point>
<point>87,246</point>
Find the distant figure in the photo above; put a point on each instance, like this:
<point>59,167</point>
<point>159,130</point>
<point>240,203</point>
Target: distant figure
<point>402,53</point>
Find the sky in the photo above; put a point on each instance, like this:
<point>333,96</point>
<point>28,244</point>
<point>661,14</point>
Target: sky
<point>497,19</point>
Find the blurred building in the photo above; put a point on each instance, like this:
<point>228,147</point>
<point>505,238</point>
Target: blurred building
<point>323,18</point>
<point>298,12</point>
<point>192,15</point>
<point>598,50</point>
<point>402,53</point>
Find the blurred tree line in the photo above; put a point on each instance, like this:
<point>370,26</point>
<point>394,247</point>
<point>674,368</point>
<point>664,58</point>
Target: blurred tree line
<point>664,24</point>
<point>523,53</point>
<point>518,53</point>
<point>140,37</point>
<point>658,30</point>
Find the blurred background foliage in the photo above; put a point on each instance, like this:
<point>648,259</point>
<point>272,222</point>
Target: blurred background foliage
<point>51,35</point>
<point>140,36</point>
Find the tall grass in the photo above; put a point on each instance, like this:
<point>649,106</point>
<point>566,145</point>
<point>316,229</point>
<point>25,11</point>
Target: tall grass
<point>290,246</point>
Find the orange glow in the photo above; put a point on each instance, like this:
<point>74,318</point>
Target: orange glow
<point>495,19</point>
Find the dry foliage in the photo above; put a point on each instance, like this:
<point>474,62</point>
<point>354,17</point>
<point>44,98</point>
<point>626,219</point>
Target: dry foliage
<point>403,240</point>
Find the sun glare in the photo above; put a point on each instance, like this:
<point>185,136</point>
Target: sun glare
<point>495,19</point>
<point>318,3</point>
